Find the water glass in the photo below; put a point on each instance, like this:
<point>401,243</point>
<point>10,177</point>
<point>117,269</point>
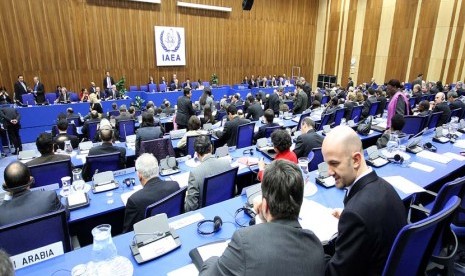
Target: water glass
<point>65,185</point>
<point>303,164</point>
<point>103,247</point>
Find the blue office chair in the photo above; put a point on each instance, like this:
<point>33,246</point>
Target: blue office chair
<point>270,130</point>
<point>195,85</point>
<point>162,87</point>
<point>73,97</point>
<point>220,114</point>
<point>455,112</point>
<point>220,187</point>
<point>71,130</point>
<point>302,117</point>
<point>290,104</point>
<point>412,102</point>
<point>433,119</point>
<point>373,109</point>
<point>36,232</point>
<point>51,172</point>
<point>92,131</point>
<point>324,100</point>
<point>160,148</point>
<point>101,163</point>
<point>315,157</point>
<point>339,114</point>
<point>50,97</point>
<point>356,113</point>
<point>144,88</point>
<point>414,245</point>
<point>245,135</point>
<point>28,99</point>
<point>76,121</point>
<point>125,128</point>
<point>153,88</point>
<point>190,144</point>
<point>113,113</point>
<point>414,124</point>
<point>206,84</point>
<point>324,121</point>
<point>133,88</point>
<point>171,205</point>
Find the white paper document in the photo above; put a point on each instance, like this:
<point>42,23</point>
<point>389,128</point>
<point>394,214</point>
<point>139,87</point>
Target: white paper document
<point>434,156</point>
<point>187,270</point>
<point>77,198</point>
<point>181,178</point>
<point>403,184</point>
<point>125,196</point>
<point>454,156</point>
<point>421,167</point>
<point>212,249</point>
<point>460,143</point>
<point>319,219</point>
<point>180,223</point>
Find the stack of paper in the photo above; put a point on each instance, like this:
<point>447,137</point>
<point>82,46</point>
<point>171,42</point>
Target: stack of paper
<point>319,219</point>
<point>434,156</point>
<point>181,178</point>
<point>403,184</point>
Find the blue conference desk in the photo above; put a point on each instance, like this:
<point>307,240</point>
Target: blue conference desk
<point>37,119</point>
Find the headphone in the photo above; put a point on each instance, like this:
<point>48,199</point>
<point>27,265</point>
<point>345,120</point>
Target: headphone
<point>249,212</point>
<point>430,147</point>
<point>217,223</point>
<point>398,159</point>
<point>18,188</point>
<point>248,151</point>
<point>129,181</point>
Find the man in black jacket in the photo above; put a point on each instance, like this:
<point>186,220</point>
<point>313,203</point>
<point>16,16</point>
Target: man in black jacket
<point>230,131</point>
<point>255,110</point>
<point>275,100</point>
<point>440,104</point>
<point>20,89</point>
<point>10,118</point>
<point>39,91</point>
<point>455,102</point>
<point>185,109</point>
<point>308,140</point>
<point>301,100</point>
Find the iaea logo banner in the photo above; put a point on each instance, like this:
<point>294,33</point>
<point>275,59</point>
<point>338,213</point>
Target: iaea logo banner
<point>170,46</point>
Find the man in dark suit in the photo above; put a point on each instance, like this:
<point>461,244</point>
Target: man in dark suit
<point>274,100</point>
<point>255,110</point>
<point>307,90</point>
<point>10,118</point>
<point>44,144</point>
<point>350,83</point>
<point>455,102</point>
<point>300,101</point>
<point>185,109</point>
<point>92,88</point>
<point>64,96</point>
<point>259,249</point>
<point>63,136</point>
<point>20,89</point>
<point>308,140</point>
<point>166,108</point>
<point>123,115</point>
<point>24,203</point>
<point>373,212</point>
<point>367,103</point>
<point>440,104</point>
<point>93,118</point>
<point>153,190</point>
<point>108,81</point>
<point>269,117</point>
<point>229,133</point>
<point>112,94</point>
<point>39,91</point>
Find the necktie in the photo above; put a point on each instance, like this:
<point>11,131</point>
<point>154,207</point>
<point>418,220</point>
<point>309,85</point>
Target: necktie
<point>346,198</point>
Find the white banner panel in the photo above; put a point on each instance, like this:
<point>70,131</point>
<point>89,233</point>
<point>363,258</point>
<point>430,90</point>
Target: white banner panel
<point>170,46</point>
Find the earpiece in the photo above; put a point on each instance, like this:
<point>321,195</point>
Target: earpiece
<point>398,159</point>
<point>217,223</point>
<point>430,147</point>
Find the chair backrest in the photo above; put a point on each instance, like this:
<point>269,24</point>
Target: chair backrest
<point>414,124</point>
<point>125,128</point>
<point>73,97</point>
<point>220,114</point>
<point>290,104</point>
<point>302,117</point>
<point>74,121</point>
<point>433,119</point>
<point>50,97</point>
<point>103,163</point>
<point>415,242</point>
<point>356,113</point>
<point>324,100</point>
<point>51,172</point>
<point>171,205</point>
<point>219,187</point>
<point>447,191</point>
<point>144,87</point>
<point>28,99</point>
<point>324,121</point>
<point>206,84</point>
<point>424,98</point>
<point>245,135</point>
<point>113,113</point>
<point>92,130</point>
<point>373,108</point>
<point>36,232</point>
<point>71,130</point>
<point>270,130</point>
<point>338,116</point>
<point>455,112</point>
<point>412,101</point>
<point>317,159</point>
<point>133,88</point>
<point>160,148</point>
<point>190,143</point>
<point>162,87</point>
<point>153,88</point>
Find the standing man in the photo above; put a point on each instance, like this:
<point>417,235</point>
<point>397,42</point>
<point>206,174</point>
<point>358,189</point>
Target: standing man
<point>153,189</point>
<point>275,100</point>
<point>279,246</point>
<point>373,212</point>
<point>108,81</point>
<point>255,110</point>
<point>210,165</point>
<point>301,100</point>
<point>308,140</point>
<point>307,89</point>
<point>350,83</point>
<point>39,91</point>
<point>185,109</point>
<point>20,89</point>
<point>10,118</point>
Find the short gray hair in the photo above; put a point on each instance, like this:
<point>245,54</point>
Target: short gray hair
<point>147,166</point>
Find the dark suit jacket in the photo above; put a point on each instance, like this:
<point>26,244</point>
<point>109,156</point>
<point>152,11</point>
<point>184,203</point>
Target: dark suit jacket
<point>261,131</point>
<point>19,91</point>
<point>61,98</point>
<point>349,106</point>
<point>60,139</point>
<point>109,95</point>
<point>106,148</point>
<point>457,104</point>
<point>305,143</point>
<point>279,247</point>
<point>255,111</point>
<point>28,204</point>
<point>40,95</point>
<point>48,158</point>
<point>382,104</point>
<point>105,83</point>
<point>373,216</point>
<point>85,127</point>
<point>9,113</point>
<point>147,133</point>
<point>300,102</point>
<point>185,110</point>
<point>273,102</point>
<point>366,106</point>
<point>229,134</point>
<point>444,107</point>
<point>154,190</point>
